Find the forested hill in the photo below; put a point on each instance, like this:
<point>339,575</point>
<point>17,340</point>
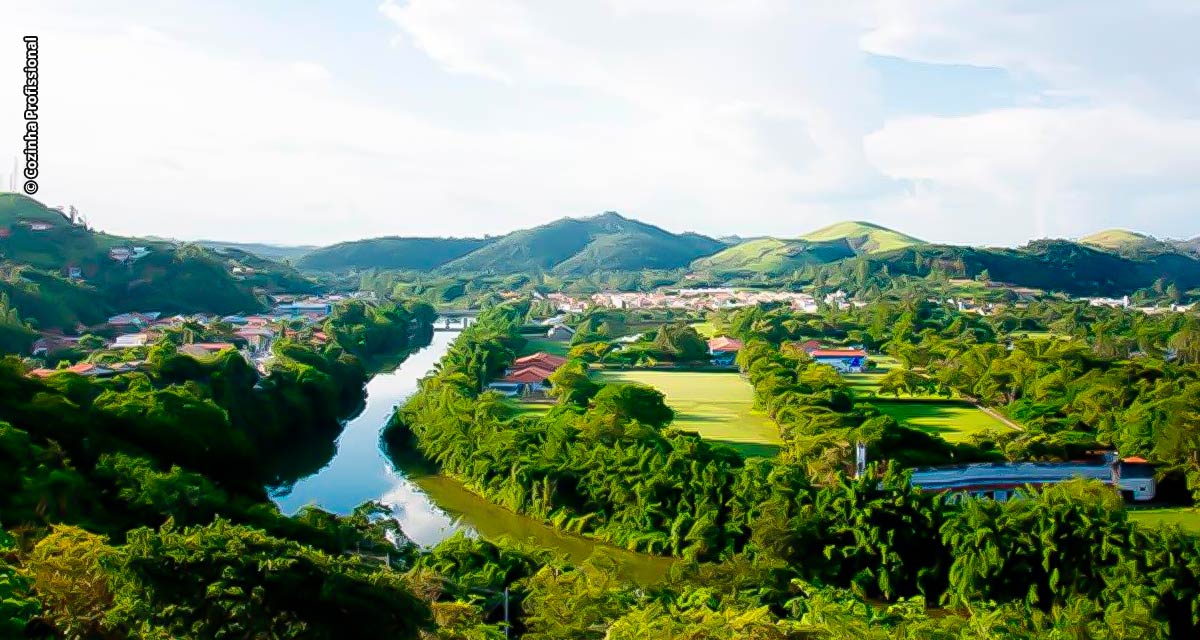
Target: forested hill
<point>580,245</point>
<point>1053,265</point>
<point>418,254</point>
<point>58,272</point>
<point>568,246</point>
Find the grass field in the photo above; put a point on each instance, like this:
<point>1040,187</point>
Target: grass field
<point>715,405</point>
<point>705,329</point>
<point>954,421</point>
<point>543,344</point>
<point>1187,518</point>
<point>867,384</point>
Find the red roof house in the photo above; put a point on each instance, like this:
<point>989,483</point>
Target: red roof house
<point>724,344</point>
<point>541,358</point>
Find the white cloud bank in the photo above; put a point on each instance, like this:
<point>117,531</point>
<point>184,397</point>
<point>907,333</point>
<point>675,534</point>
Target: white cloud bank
<point>754,117</point>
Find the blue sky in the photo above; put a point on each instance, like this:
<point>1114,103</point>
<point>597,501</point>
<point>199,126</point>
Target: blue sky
<point>974,122</point>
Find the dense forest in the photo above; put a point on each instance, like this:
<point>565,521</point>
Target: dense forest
<point>606,463</point>
<point>136,505</point>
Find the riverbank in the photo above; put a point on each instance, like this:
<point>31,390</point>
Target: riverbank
<point>431,507</point>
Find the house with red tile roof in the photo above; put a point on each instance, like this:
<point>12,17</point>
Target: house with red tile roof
<point>83,369</point>
<point>529,376</point>
<point>723,350</point>
<point>547,359</point>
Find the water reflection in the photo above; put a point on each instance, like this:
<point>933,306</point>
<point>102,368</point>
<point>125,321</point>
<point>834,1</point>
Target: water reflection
<point>429,507</point>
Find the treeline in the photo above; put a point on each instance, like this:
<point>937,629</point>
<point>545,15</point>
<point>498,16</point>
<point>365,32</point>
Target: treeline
<point>600,463</point>
<point>373,330</point>
<point>135,505</point>
<point>604,462</point>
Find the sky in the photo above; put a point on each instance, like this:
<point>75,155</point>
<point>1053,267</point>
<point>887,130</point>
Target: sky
<point>987,122</point>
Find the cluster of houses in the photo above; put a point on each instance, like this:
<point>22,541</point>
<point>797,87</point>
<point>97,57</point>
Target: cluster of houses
<point>252,336</point>
<point>710,299</point>
<point>529,376</point>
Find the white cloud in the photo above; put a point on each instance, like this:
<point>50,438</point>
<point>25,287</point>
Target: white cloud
<point>751,117</point>
<point>1058,172</point>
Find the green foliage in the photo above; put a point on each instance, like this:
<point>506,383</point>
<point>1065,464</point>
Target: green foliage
<point>422,254</point>
<point>17,607</point>
<point>577,246</point>
<point>225,580</point>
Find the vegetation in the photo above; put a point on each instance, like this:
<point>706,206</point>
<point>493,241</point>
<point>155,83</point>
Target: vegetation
<point>35,266</point>
<point>140,501</point>
<point>863,237</point>
<point>392,253</point>
<point>583,245</point>
<point>718,406</point>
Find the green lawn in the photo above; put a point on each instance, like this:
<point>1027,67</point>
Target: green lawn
<point>1187,518</point>
<point>954,421</point>
<point>718,406</point>
<point>705,329</point>
<point>533,345</point>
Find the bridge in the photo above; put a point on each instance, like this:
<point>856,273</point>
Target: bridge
<point>454,319</point>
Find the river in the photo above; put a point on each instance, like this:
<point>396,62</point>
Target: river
<point>431,507</point>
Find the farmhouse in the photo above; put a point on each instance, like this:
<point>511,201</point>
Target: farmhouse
<point>529,376</point>
<point>844,360</point>
<point>724,350</point>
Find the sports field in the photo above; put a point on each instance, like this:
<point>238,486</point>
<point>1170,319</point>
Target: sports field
<point>535,344</point>
<point>1188,519</point>
<point>718,406</point>
<point>956,421</point>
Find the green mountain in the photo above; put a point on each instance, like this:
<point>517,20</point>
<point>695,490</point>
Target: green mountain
<point>418,254</point>
<point>268,251</point>
<point>772,256</point>
<point>59,273</point>
<point>608,242</point>
<point>863,237</point>
<point>1053,265</point>
<point>1125,242</point>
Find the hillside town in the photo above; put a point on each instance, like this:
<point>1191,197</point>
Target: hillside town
<point>102,348</point>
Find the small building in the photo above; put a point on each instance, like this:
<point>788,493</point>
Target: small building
<point>258,338</point>
<point>529,376</point>
<point>541,358</point>
<point>529,382</point>
<point>74,272</point>
<point>560,333</point>
<point>131,340</point>
<point>40,226</point>
<point>723,350</point>
<point>83,368</point>
<point>844,360</point>
<point>204,349</point>
<point>1134,477</point>
<point>125,320</point>
<point>304,308</point>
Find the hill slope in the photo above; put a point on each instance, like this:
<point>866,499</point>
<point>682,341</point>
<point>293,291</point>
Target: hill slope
<point>39,248</point>
<point>579,245</point>
<point>1123,241</point>
<point>772,256</point>
<point>1053,265</point>
<point>420,254</point>
<point>262,250</point>
<point>863,237</point>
